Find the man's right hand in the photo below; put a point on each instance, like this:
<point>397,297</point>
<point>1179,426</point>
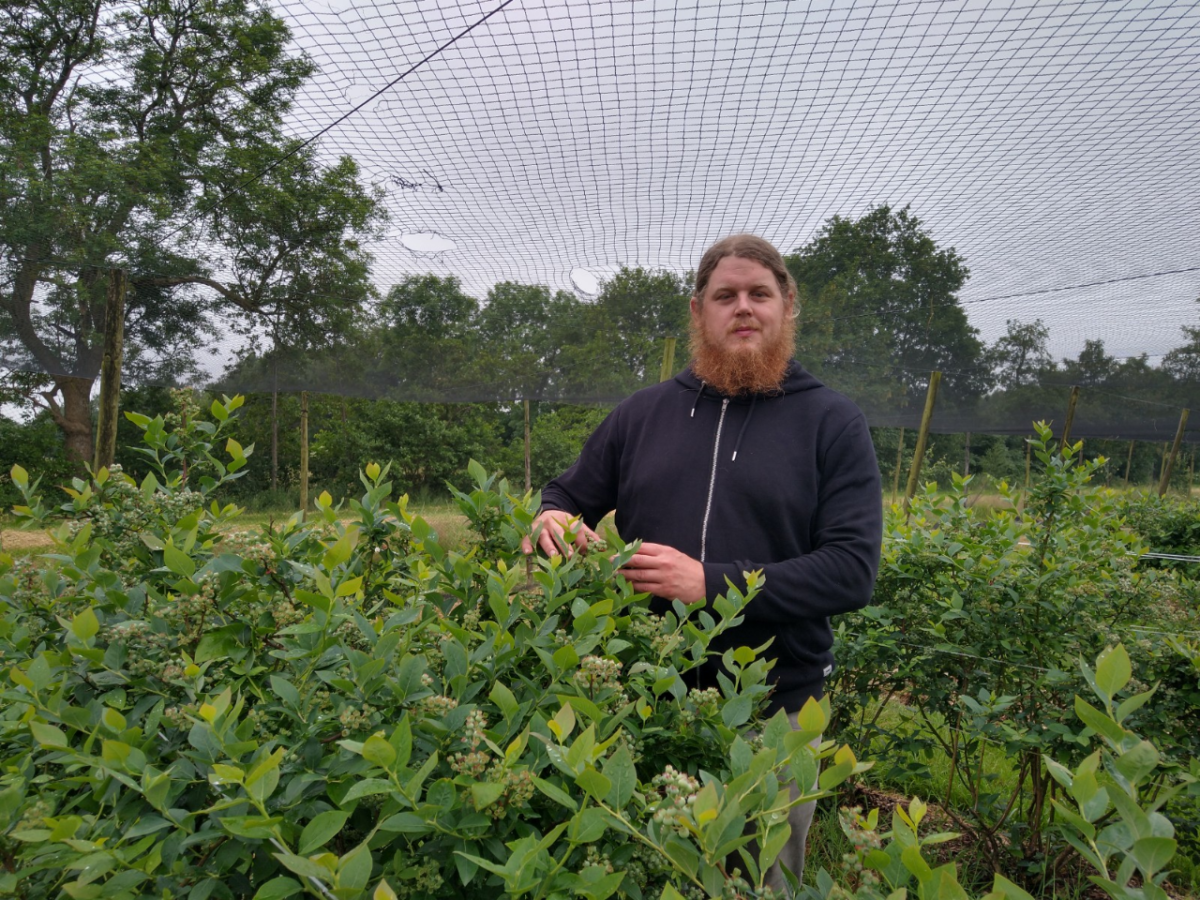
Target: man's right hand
<point>554,523</point>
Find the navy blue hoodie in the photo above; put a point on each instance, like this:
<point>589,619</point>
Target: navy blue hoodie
<point>784,482</point>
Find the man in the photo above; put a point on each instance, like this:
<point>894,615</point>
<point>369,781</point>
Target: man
<point>743,461</point>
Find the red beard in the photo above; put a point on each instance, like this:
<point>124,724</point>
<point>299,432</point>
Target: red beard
<point>746,370</point>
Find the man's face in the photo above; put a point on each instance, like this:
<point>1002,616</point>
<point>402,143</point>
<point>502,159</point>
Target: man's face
<point>743,309</point>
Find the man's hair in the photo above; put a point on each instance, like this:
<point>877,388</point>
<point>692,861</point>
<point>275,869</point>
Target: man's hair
<point>744,246</point>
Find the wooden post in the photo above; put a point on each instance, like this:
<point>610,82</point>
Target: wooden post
<point>528,488</point>
<point>275,421</point>
<point>1166,475</point>
<point>668,364</point>
<point>528,466</point>
<point>1025,489</point>
<point>967,456</point>
<point>899,463</point>
<point>110,371</point>
<point>914,472</point>
<point>1129,462</point>
<point>1066,435</point>
<point>1191,474</point>
<point>304,453</point>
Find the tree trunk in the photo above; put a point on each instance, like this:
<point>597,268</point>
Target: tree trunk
<point>75,417</point>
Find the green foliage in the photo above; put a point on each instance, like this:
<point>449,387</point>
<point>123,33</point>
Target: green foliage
<point>1167,525</point>
<point>345,707</point>
<point>1109,812</point>
<point>36,445</point>
<point>979,623</point>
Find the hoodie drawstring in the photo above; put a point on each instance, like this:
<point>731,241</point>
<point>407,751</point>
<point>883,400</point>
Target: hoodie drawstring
<point>738,445</point>
<point>753,400</point>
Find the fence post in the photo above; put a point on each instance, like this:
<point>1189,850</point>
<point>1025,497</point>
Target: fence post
<point>914,472</point>
<point>303,454</point>
<point>1066,435</point>
<point>528,466</point>
<point>1166,474</point>
<point>110,371</point>
<point>899,462</point>
<point>668,363</point>
<point>1129,463</point>
<point>967,456</point>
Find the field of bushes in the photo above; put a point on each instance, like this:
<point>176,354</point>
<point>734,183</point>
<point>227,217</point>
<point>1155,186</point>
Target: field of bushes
<point>361,704</point>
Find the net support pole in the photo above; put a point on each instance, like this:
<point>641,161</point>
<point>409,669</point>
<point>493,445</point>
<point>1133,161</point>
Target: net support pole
<point>1129,462</point>
<point>110,371</point>
<point>914,472</point>
<point>1191,474</point>
<point>1166,474</point>
<point>967,456</point>
<point>668,363</point>
<point>528,489</point>
<point>1071,403</point>
<point>304,453</point>
<point>528,465</point>
<point>899,463</point>
<point>1028,469</point>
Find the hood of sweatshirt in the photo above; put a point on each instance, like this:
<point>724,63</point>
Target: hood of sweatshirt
<point>796,379</point>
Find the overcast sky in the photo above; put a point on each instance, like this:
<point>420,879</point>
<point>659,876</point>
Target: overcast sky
<point>1052,144</point>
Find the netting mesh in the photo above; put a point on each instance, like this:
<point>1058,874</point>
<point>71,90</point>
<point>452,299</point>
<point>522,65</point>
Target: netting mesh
<point>1051,144</point>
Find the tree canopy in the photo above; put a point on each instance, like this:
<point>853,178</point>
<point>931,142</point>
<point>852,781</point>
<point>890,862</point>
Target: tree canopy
<point>148,137</point>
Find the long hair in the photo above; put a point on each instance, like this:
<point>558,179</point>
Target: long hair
<point>744,246</point>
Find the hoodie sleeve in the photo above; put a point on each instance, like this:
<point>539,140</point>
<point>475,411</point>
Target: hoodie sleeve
<point>589,486</point>
<point>839,574</point>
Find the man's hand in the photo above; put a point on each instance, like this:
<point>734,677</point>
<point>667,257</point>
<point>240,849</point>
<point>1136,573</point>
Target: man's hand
<point>665,572</point>
<point>554,523</point>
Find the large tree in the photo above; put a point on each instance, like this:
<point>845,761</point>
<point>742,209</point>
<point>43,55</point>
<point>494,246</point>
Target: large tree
<point>879,310</point>
<point>147,136</point>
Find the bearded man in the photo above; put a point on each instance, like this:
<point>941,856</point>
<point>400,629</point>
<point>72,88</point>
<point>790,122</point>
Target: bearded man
<point>743,461</point>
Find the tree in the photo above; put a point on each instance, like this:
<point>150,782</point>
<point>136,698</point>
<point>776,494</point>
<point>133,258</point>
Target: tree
<point>879,310</point>
<point>159,170</point>
<point>1021,355</point>
<point>1183,363</point>
<point>1094,366</point>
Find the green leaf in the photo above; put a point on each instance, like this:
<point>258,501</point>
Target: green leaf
<point>619,770</point>
<point>218,412</point>
<point>1098,721</point>
<point>1152,853</point>
<point>587,826</point>
<point>504,700</point>
<point>737,711</point>
<point>177,561</point>
<point>48,735</point>
<point>277,888</point>
<point>555,793</point>
<point>321,829</point>
<point>406,823</point>
<point>19,476</point>
<point>485,793</point>
<point>368,787</point>
<point>594,783</point>
<point>85,625</point>
<point>1008,890</point>
<point>376,749</point>
<point>1113,670</point>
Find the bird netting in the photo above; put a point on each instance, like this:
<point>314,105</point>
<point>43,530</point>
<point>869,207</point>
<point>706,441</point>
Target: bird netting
<point>551,173</point>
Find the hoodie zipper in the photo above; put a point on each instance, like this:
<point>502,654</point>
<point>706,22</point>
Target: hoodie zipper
<point>712,482</point>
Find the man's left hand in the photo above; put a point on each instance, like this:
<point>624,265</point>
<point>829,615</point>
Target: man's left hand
<point>666,572</point>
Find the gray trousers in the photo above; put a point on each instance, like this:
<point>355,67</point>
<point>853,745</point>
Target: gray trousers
<point>800,818</point>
